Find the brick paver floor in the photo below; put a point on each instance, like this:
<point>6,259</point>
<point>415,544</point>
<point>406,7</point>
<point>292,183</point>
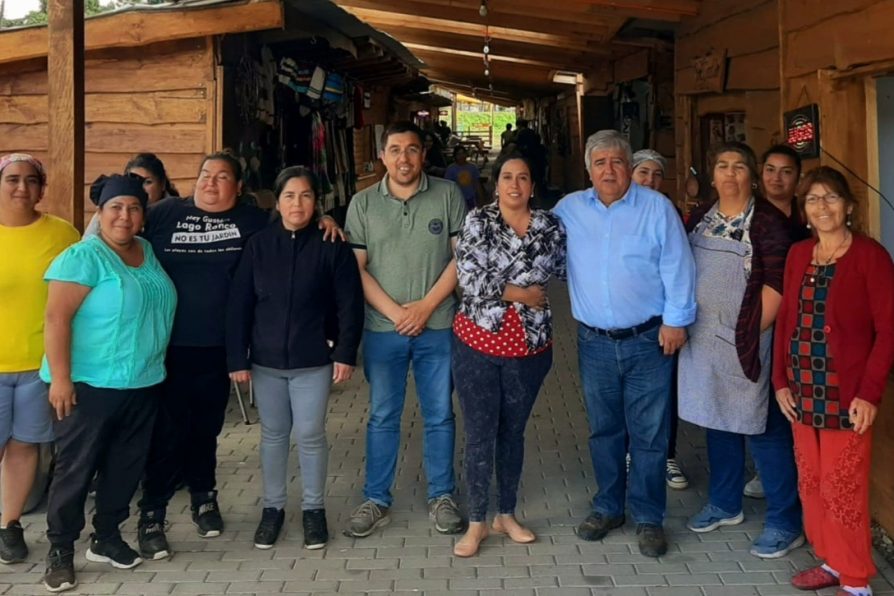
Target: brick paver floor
<point>408,555</point>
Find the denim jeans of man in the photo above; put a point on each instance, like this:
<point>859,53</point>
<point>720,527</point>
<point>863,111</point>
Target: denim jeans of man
<point>386,360</point>
<point>626,391</point>
<point>773,454</point>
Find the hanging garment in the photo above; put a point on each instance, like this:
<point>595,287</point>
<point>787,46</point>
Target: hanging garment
<point>317,82</point>
<point>320,161</point>
<point>334,89</point>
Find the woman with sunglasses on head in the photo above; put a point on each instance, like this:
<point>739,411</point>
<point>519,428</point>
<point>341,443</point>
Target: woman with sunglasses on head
<point>833,350</point>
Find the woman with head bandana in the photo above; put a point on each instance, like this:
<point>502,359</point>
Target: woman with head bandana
<point>29,241</point>
<point>108,321</point>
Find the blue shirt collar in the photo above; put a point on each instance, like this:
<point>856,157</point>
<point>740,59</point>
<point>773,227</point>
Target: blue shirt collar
<point>629,197</point>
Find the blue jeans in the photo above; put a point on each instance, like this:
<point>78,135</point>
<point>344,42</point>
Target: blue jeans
<point>774,456</point>
<point>626,390</point>
<point>386,359</point>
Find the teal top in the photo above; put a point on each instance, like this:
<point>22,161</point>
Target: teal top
<point>120,332</point>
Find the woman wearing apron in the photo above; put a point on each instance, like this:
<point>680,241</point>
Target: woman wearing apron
<point>739,245</point>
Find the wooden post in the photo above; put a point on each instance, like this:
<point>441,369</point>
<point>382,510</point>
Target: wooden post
<point>65,71</point>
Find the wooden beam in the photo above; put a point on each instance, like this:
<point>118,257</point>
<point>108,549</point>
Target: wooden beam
<point>411,13</point>
<point>497,57</point>
<point>142,27</point>
<point>670,10</point>
<point>529,50</point>
<point>65,64</point>
<point>523,74</point>
<point>600,13</point>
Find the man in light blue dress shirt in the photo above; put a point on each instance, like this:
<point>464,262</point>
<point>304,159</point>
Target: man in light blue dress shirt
<point>632,282</point>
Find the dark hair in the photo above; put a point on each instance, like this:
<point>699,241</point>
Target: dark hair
<point>151,163</point>
<point>509,126</point>
<point>400,127</point>
<point>785,150</point>
<point>227,156</point>
<point>296,172</point>
<point>831,179</point>
<point>459,148</point>
<point>735,147</point>
<point>509,156</point>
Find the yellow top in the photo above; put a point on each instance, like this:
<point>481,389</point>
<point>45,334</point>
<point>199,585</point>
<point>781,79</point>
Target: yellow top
<point>25,254</point>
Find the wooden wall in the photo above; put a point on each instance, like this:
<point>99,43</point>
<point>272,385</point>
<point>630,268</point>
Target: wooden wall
<point>364,139</point>
<point>829,53</point>
<point>749,33</point>
<point>159,98</point>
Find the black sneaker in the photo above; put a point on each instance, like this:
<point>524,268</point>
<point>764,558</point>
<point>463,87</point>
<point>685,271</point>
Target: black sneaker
<point>316,533</point>
<point>114,551</point>
<point>60,575</point>
<point>206,517</point>
<point>268,530</point>
<point>151,535</point>
<point>12,543</point>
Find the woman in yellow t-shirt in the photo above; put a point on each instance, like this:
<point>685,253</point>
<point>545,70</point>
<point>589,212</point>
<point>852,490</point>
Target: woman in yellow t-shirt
<point>30,240</point>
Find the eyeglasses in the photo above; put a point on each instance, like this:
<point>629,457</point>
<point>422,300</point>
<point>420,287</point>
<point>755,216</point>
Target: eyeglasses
<point>829,199</point>
<point>411,151</point>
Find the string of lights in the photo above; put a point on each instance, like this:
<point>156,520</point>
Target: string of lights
<point>483,11</point>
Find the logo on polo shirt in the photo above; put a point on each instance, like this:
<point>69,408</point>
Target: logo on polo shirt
<point>436,226</point>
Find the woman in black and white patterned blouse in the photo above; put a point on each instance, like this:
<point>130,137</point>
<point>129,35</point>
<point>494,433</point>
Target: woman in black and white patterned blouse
<point>505,256</point>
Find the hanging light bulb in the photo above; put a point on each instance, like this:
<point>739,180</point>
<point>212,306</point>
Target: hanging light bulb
<point>482,10</point>
<point>487,47</point>
<point>487,72</point>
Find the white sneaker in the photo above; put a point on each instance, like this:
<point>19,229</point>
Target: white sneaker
<point>754,488</point>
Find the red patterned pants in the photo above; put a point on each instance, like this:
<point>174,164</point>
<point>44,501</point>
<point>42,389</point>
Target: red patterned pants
<point>833,481</point>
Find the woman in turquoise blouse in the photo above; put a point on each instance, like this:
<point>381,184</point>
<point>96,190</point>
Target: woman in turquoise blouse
<point>109,315</point>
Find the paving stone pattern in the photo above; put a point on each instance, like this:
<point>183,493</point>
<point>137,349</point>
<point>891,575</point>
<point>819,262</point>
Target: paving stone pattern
<point>409,556</point>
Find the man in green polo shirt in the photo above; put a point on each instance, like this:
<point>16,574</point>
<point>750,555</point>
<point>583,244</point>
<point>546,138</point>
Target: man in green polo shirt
<point>403,231</point>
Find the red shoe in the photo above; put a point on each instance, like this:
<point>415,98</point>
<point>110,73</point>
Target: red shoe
<point>815,578</point>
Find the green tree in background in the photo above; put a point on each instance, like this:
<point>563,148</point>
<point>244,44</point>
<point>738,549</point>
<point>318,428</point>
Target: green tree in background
<point>91,7</point>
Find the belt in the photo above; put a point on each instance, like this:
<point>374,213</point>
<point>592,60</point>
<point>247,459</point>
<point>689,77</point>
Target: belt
<point>629,331</point>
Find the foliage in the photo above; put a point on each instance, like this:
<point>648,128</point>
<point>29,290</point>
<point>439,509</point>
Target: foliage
<point>91,7</point>
<point>479,120</point>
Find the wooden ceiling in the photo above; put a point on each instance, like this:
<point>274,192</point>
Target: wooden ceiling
<point>530,39</point>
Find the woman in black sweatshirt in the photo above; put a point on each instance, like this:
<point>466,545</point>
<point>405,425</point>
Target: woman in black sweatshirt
<point>294,321</point>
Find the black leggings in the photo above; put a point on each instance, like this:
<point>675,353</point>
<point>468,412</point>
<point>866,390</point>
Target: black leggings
<point>496,396</point>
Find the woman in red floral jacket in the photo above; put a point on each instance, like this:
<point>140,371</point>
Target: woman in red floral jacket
<point>833,349</point>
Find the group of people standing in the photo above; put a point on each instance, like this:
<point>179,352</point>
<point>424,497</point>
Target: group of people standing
<point>127,353</point>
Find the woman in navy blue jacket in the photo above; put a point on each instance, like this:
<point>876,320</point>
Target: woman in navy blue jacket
<point>294,321</point>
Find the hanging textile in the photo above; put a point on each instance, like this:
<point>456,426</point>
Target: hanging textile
<point>320,161</point>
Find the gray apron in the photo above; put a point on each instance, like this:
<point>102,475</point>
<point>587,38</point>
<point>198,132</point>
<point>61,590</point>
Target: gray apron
<point>714,392</point>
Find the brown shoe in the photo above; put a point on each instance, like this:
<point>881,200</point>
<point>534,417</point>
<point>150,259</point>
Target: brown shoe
<point>597,526</point>
<point>815,578</point>
<point>652,542</point>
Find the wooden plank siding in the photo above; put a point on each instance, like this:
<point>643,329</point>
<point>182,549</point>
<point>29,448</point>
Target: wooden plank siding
<point>822,41</point>
<point>161,98</point>
<point>748,31</point>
